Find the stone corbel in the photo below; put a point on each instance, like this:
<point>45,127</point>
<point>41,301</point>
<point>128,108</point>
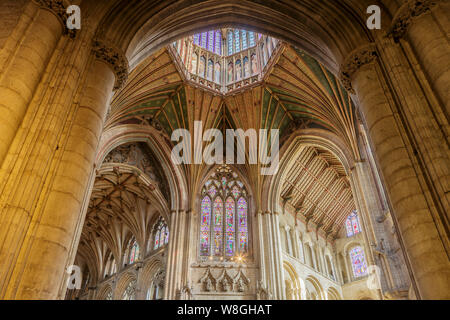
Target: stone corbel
<point>59,9</point>
<point>107,53</point>
<point>355,60</point>
<point>405,15</point>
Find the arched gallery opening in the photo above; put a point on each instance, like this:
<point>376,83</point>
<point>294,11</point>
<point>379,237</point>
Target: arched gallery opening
<point>341,191</point>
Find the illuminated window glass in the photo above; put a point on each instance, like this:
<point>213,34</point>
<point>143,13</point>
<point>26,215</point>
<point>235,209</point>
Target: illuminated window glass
<point>237,41</point>
<point>205,226</point>
<point>161,234</point>
<point>218,43</point>
<point>358,262</point>
<point>230,43</point>
<point>211,41</point>
<point>352,224</point>
<point>224,219</point>
<point>252,39</point>
<point>244,40</point>
<point>134,255</point>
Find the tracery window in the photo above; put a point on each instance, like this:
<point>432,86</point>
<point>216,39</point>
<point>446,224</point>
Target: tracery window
<point>352,224</point>
<point>130,291</point>
<point>134,253</point>
<point>358,262</point>
<point>224,216</point>
<point>161,234</point>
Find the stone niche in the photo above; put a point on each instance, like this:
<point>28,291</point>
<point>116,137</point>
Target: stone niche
<point>223,282</point>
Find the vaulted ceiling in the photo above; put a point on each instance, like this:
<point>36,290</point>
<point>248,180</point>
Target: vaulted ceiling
<point>317,190</point>
<point>296,92</point>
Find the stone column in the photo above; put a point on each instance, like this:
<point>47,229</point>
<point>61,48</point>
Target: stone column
<point>426,26</point>
<point>407,191</point>
<point>23,61</point>
<point>178,254</point>
<point>42,198</point>
<point>271,264</point>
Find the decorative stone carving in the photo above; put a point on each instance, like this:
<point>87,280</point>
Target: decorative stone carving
<point>241,282</point>
<point>225,282</point>
<point>405,15</point>
<point>357,58</point>
<point>59,9</point>
<point>208,281</point>
<point>262,293</point>
<point>114,57</point>
<point>186,292</point>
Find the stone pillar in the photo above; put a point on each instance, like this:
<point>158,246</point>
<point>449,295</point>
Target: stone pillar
<point>23,61</point>
<point>42,198</point>
<point>178,254</point>
<point>407,191</point>
<point>271,264</point>
<point>426,26</point>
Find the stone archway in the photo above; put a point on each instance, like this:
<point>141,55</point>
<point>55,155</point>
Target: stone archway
<point>61,142</point>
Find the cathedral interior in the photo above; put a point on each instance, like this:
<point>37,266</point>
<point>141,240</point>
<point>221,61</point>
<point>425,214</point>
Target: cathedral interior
<point>93,206</point>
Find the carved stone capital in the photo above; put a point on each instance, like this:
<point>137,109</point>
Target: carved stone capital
<point>355,60</point>
<point>405,15</point>
<point>59,9</point>
<point>114,57</point>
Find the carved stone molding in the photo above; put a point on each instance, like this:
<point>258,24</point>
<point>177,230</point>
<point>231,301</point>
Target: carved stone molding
<point>357,58</point>
<point>114,57</point>
<point>407,12</point>
<point>59,9</point>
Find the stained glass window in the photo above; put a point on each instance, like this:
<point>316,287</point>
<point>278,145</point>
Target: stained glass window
<point>211,41</point>
<point>230,43</point>
<point>251,39</point>
<point>237,41</point>
<point>218,44</point>
<point>358,262</point>
<point>352,224</point>
<point>244,40</point>
<point>161,232</point>
<point>204,226</point>
<point>230,237</point>
<point>134,255</point>
<point>218,227</point>
<point>223,218</point>
<point>242,224</point>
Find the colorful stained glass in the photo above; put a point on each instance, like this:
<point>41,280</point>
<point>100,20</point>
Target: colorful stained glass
<point>161,231</point>
<point>225,218</point>
<point>358,262</point>
<point>224,182</point>
<point>230,43</point>
<point>156,246</point>
<point>197,39</point>
<point>218,226</point>
<point>212,191</point>
<point>229,213</point>
<point>251,39</point>
<point>204,39</point>
<point>162,236</point>
<point>237,41</point>
<point>218,43</point>
<point>211,41</point>
<point>235,191</point>
<point>352,224</point>
<point>204,226</point>
<point>166,239</point>
<point>244,40</point>
<point>242,225</point>
<point>134,253</point>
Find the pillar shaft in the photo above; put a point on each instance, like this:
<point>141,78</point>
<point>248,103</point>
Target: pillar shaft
<point>406,190</point>
<point>24,59</point>
<point>37,231</point>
